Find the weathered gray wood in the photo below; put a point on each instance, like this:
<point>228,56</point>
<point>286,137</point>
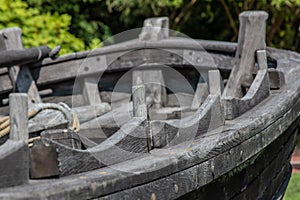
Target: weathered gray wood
<point>251,38</point>
<point>276,78</point>
<point>107,124</point>
<point>155,29</point>
<point>14,163</point>
<point>259,90</point>
<point>129,142</point>
<point>44,161</point>
<point>200,95</point>
<point>170,113</point>
<point>207,158</point>
<point>41,93</point>
<point>86,113</point>
<point>20,76</point>
<point>171,132</point>
<point>106,182</point>
<point>139,99</point>
<point>117,99</point>
<point>227,185</point>
<point>254,182</point>
<point>23,56</point>
<point>18,117</point>
<point>215,83</point>
<point>49,116</point>
<point>67,67</point>
<point>181,99</point>
<point>91,91</point>
<point>155,86</point>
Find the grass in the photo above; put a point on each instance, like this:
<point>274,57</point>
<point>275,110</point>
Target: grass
<point>293,189</point>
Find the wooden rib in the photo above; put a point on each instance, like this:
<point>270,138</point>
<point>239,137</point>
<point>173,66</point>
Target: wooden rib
<point>129,142</point>
<point>251,38</point>
<point>259,90</point>
<point>18,112</point>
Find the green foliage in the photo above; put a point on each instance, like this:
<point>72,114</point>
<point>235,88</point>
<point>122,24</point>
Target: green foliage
<point>85,24</point>
<point>293,190</point>
<point>39,28</point>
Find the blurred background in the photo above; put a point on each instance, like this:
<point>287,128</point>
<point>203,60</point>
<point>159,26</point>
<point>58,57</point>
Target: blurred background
<point>84,24</point>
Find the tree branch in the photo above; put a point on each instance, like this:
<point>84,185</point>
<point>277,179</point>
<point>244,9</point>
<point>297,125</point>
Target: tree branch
<point>276,23</point>
<point>183,12</point>
<point>231,20</point>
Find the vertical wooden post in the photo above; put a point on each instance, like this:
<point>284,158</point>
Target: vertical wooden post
<point>262,59</point>
<point>154,81</point>
<point>18,109</point>
<point>251,38</point>
<point>215,82</point>
<point>139,99</point>
<point>91,91</point>
<point>200,94</point>
<point>22,81</point>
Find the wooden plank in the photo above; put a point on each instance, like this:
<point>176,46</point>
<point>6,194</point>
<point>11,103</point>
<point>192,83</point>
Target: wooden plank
<point>23,56</point>
<point>227,185</point>
<point>171,132</point>
<point>14,163</point>
<point>259,90</point>
<point>18,117</point>
<point>129,142</point>
<point>20,76</point>
<point>86,113</point>
<point>139,99</point>
<point>156,28</point>
<point>251,38</point>
<point>155,86</point>
<point>200,94</point>
<point>105,179</point>
<point>215,82</point>
<point>262,127</point>
<point>65,68</point>
<point>90,91</point>
<point>43,161</point>
<point>107,124</point>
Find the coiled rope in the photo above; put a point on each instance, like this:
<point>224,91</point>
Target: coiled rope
<point>62,107</point>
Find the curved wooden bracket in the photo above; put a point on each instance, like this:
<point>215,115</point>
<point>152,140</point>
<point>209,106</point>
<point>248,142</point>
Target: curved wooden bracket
<point>259,90</point>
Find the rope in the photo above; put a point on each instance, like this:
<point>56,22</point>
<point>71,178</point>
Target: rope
<point>62,107</point>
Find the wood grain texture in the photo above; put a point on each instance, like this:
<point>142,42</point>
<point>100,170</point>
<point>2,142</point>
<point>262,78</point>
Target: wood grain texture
<point>171,132</point>
<point>14,163</point>
<point>258,91</point>
<point>90,91</point>
<point>18,113</point>
<point>107,124</point>
<point>129,142</point>
<point>251,38</point>
<point>87,113</point>
<point>139,99</point>
<point>20,76</point>
<point>200,95</point>
<point>197,163</point>
<point>192,157</point>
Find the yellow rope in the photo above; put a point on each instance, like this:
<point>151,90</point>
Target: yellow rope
<point>4,132</point>
<point>4,123</point>
<point>4,119</point>
<point>34,138</point>
<point>76,124</point>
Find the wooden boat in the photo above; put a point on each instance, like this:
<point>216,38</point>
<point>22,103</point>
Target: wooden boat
<point>160,117</point>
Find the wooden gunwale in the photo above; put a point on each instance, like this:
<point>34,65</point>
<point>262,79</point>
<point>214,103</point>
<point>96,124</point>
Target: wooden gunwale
<point>258,128</point>
<point>72,62</point>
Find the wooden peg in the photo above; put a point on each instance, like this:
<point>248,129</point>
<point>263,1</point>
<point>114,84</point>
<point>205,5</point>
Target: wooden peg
<point>18,109</point>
